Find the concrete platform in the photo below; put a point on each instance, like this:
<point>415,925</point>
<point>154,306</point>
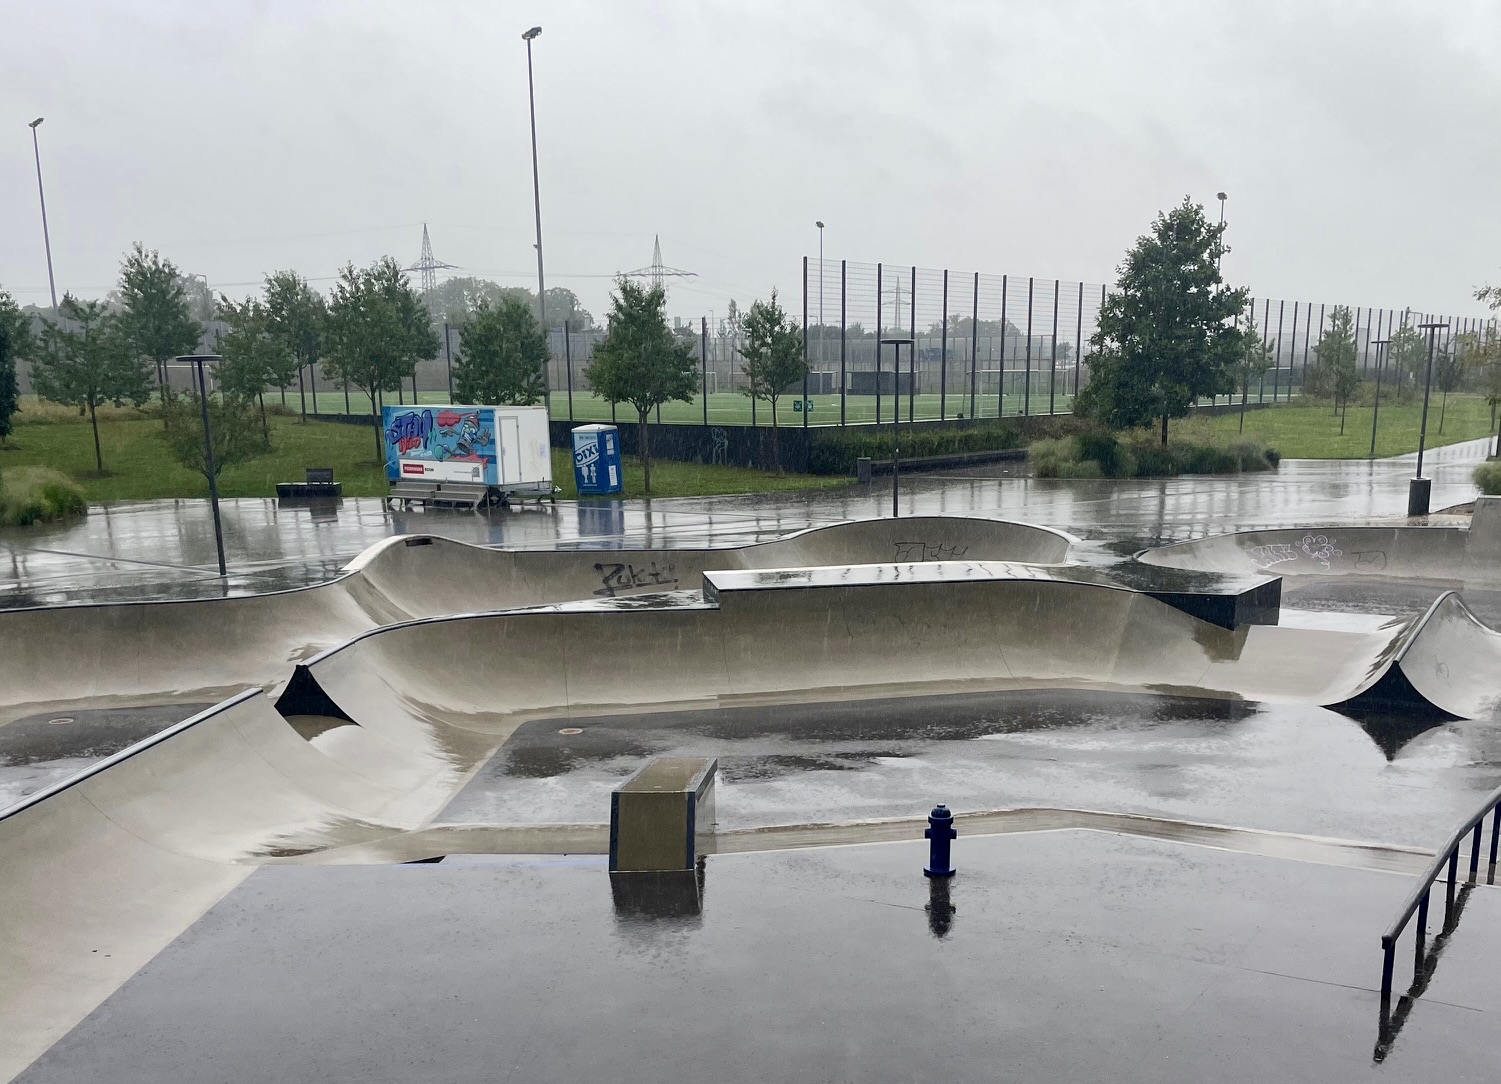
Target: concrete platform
<point>1063,956</point>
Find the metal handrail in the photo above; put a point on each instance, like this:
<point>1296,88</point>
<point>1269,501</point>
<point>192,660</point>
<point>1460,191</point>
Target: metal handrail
<point>1417,899</point>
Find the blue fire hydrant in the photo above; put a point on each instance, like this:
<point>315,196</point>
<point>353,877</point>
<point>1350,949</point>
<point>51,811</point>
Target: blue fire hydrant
<point>940,832</point>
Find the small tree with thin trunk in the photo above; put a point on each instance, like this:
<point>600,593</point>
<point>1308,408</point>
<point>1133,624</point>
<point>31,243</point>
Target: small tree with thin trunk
<point>1407,356</point>
<point>640,361</point>
<point>1334,374</point>
<point>1254,359</point>
<point>377,331</point>
<point>253,358</point>
<point>15,343</point>
<point>773,353</point>
<point>156,311</point>
<point>296,315</point>
<point>503,356</point>
<point>236,432</point>
<point>85,361</point>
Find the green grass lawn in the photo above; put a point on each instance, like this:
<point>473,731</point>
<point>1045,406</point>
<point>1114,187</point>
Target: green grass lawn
<point>732,408</point>
<point>138,468</point>
<point>1311,431</point>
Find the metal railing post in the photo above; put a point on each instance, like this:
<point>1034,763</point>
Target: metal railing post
<point>1422,935</point>
<point>1449,888</point>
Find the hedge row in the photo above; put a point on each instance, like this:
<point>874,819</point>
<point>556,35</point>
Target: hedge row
<point>1106,455</point>
<point>834,451</point>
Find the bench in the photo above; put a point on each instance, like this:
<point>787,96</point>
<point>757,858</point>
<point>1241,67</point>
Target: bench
<point>317,482</point>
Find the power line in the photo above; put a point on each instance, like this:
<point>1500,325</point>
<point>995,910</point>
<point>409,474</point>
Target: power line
<point>428,267</point>
<point>657,270</point>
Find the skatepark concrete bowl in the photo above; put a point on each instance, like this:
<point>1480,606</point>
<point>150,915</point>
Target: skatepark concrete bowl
<point>401,680</point>
<point>148,653</point>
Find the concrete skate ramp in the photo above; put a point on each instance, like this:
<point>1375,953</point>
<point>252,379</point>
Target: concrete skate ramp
<point>1437,553</point>
<point>161,652</point>
<point>101,871</point>
<point>799,634</point>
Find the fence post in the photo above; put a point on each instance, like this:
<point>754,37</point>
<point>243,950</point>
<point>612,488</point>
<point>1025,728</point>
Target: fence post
<point>1078,345</point>
<point>880,299</point>
<point>843,378</point>
<point>346,397</point>
<point>974,346</point>
<point>1277,357</point>
<point>1027,380</point>
<point>703,361</point>
<point>912,361</point>
<point>567,363</point>
<point>1053,371</point>
<point>312,379</point>
<point>1000,399</point>
<point>805,348</point>
<point>943,348</point>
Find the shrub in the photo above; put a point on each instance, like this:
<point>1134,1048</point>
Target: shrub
<point>834,451</point>
<point>1488,478</point>
<point>1103,448</point>
<point>38,495</point>
<point>1051,458</point>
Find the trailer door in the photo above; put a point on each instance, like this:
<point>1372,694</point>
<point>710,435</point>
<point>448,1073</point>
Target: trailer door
<point>509,433</point>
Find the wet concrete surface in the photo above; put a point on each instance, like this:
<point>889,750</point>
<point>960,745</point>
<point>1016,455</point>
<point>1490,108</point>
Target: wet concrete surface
<point>138,550</point>
<point>40,750</point>
<point>1060,956</point>
<point>1282,767</point>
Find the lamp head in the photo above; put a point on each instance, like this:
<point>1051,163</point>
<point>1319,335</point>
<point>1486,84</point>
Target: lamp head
<point>34,123</point>
<point>1221,196</point>
<point>532,33</point>
<point>819,225</point>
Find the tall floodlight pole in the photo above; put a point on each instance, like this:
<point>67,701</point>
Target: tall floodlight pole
<point>1221,197</point>
<point>819,224</point>
<point>897,342</point>
<point>531,97</point>
<point>1420,488</point>
<point>1376,413</point>
<point>36,149</point>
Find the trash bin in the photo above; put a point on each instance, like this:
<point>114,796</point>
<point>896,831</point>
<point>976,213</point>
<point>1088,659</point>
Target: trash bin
<point>596,460</point>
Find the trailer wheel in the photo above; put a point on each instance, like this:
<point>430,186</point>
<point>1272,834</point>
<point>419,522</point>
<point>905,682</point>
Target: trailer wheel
<point>494,497</point>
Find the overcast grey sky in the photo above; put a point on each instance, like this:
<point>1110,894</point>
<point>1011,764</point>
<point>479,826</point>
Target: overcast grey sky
<point>1357,141</point>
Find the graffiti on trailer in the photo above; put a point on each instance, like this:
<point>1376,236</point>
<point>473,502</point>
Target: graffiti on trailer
<point>615,577</point>
<point>412,429</point>
<point>449,434</point>
<point>928,551</point>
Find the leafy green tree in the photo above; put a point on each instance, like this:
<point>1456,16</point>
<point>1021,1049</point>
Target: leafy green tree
<point>1255,358</point>
<point>1334,375</point>
<point>503,357</point>
<point>156,315</point>
<point>297,316</point>
<point>377,331</point>
<point>237,434</point>
<point>86,360</point>
<point>254,357</point>
<point>1407,353</point>
<point>15,343</point>
<point>773,358</point>
<point>639,361</point>
<point>1165,336</point>
<point>457,300</point>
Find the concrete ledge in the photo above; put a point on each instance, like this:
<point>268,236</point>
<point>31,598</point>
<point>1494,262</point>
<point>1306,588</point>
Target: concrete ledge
<point>658,815</point>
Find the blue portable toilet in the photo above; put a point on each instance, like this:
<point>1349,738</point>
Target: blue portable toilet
<point>596,460</point>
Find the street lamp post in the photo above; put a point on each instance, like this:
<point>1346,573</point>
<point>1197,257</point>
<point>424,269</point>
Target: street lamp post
<point>197,360</point>
<point>1221,197</point>
<point>36,149</point>
<point>896,415</point>
<point>1420,488</point>
<point>1376,413</point>
<point>531,97</point>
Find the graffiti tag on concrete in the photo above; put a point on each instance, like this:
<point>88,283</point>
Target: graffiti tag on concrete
<point>928,551</point>
<point>614,577</point>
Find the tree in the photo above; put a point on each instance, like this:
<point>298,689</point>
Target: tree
<point>503,357</point>
<point>237,436</point>
<point>1407,352</point>
<point>1255,358</point>
<point>377,332</point>
<point>156,317</point>
<point>1165,337</point>
<point>456,300</point>
<point>1334,374</point>
<point>639,361</point>
<point>296,315</point>
<point>773,353</point>
<point>253,357</point>
<point>86,360</point>
<point>15,342</point>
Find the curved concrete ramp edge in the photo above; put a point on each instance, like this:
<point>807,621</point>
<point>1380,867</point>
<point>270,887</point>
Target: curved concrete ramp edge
<point>174,652</point>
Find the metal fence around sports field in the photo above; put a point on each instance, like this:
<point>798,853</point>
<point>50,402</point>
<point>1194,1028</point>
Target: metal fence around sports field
<point>985,346</point>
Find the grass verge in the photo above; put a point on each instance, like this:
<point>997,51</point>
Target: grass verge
<point>137,466</point>
<point>38,495</point>
<point>1311,430</point>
